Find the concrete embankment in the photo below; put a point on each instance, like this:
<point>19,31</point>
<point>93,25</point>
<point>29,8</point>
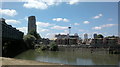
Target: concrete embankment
<point>13,61</point>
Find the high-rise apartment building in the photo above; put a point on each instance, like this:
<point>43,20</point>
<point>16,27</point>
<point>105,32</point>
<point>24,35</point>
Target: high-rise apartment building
<point>85,36</point>
<point>31,23</point>
<point>95,35</point>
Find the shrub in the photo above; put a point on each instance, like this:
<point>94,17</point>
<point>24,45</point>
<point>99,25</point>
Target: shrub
<point>43,47</point>
<point>53,46</point>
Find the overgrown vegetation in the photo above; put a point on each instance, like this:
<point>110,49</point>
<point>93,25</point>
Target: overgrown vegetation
<point>53,46</point>
<point>100,36</point>
<point>29,40</point>
<point>34,33</point>
<point>43,47</point>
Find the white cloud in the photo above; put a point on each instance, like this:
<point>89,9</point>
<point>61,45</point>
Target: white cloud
<point>86,22</point>
<point>60,19</point>
<point>8,12</point>
<point>59,27</point>
<point>65,20</point>
<point>39,30</point>
<point>44,30</point>
<point>35,4</point>
<point>63,33</point>
<point>40,26</point>
<point>12,21</point>
<point>57,19</point>
<point>44,4</point>
<point>64,0</point>
<point>43,24</point>
<point>50,35</point>
<point>103,26</point>
<point>26,18</point>
<point>23,29</point>
<point>71,2</point>
<point>97,28</point>
<point>76,24</point>
<point>40,4</point>
<point>108,25</point>
<point>98,16</point>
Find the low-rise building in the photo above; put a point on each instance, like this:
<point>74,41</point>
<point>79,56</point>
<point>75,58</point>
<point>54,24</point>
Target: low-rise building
<point>104,42</point>
<point>67,39</point>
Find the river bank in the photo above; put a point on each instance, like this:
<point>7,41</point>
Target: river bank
<point>13,61</point>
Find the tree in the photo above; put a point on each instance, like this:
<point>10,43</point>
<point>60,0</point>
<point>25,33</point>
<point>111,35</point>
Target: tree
<point>29,40</point>
<point>34,33</point>
<point>100,36</point>
<point>53,46</point>
<point>112,36</point>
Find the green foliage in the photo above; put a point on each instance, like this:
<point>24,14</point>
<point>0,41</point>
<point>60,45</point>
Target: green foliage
<point>43,47</point>
<point>38,49</point>
<point>29,40</point>
<point>53,46</point>
<point>34,33</point>
<point>100,36</point>
<point>112,36</point>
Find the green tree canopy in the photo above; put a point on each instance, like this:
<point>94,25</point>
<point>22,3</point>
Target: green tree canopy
<point>34,33</point>
<point>100,36</point>
<point>112,36</point>
<point>53,46</point>
<point>29,40</point>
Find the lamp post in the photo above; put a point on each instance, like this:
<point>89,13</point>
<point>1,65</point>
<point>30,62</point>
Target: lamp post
<point>69,29</point>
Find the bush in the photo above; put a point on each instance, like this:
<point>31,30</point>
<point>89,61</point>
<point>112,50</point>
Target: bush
<point>53,46</point>
<point>43,47</point>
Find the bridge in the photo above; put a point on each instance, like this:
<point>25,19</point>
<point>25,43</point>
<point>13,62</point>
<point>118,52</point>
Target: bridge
<point>12,39</point>
<point>9,32</point>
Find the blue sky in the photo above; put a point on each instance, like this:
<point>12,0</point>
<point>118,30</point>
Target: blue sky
<point>54,18</point>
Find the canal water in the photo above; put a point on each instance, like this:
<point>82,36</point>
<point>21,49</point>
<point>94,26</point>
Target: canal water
<point>70,57</point>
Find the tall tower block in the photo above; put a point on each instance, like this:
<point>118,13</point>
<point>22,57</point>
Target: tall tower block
<point>31,23</point>
<point>85,37</point>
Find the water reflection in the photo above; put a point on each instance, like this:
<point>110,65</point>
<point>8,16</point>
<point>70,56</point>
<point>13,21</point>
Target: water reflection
<point>70,57</point>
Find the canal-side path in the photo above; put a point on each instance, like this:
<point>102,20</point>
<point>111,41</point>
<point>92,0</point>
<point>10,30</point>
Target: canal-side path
<point>12,61</point>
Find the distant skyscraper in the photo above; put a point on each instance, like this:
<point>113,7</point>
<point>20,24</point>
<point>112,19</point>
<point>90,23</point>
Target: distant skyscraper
<point>31,23</point>
<point>69,30</point>
<point>95,36</point>
<point>85,36</point>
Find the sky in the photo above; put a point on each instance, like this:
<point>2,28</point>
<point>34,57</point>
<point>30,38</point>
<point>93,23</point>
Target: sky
<point>55,17</point>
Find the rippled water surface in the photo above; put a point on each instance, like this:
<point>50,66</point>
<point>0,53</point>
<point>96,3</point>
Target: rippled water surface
<point>70,57</point>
